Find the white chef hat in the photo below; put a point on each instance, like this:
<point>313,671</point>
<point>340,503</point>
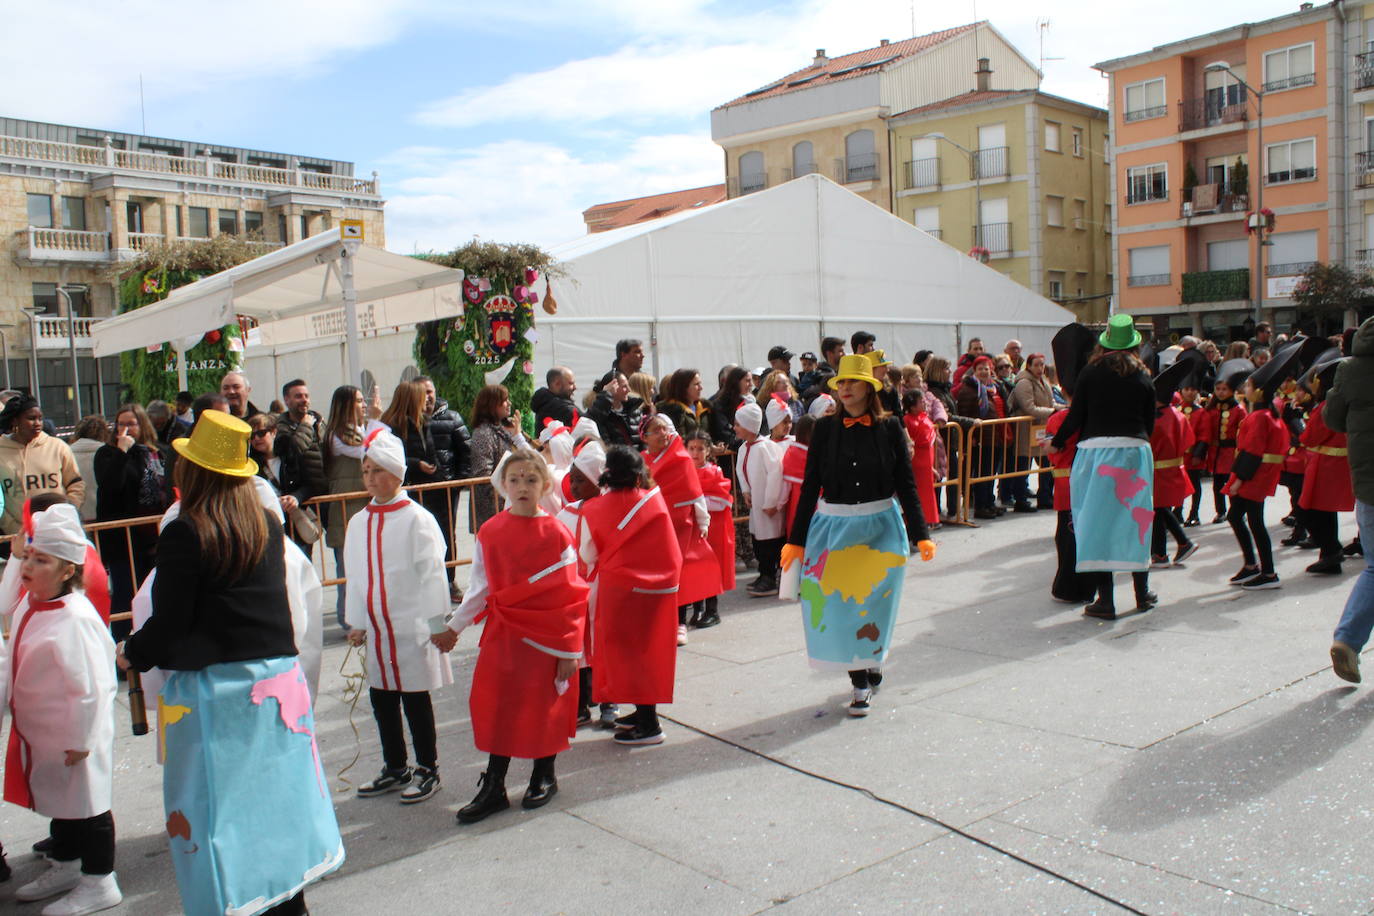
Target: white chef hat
<point>584,427</point>
<point>558,439</point>
<point>386,451</point>
<point>821,406</point>
<point>552,428</point>
<point>591,460</point>
<point>267,497</point>
<point>777,411</point>
<point>750,416</point>
<point>57,532</point>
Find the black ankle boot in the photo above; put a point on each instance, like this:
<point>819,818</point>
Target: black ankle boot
<point>1101,610</point>
<point>491,797</point>
<point>543,786</point>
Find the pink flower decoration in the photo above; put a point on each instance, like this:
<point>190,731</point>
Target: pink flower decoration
<point>521,293</point>
<point>484,284</point>
<point>528,367</point>
<point>533,299</point>
<point>531,275</point>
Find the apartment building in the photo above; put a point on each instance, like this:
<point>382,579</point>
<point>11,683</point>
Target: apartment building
<point>831,115</point>
<point>1021,175</point>
<point>1194,164</point>
<point>77,202</point>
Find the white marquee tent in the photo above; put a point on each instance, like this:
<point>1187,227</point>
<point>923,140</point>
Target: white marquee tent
<point>788,266</point>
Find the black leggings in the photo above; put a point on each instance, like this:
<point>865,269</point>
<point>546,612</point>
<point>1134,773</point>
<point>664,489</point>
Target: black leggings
<point>1247,521</point>
<point>768,551</point>
<point>1166,522</point>
<point>386,709</point>
<point>866,678</point>
<point>1322,526</point>
<point>1106,589</point>
<point>1196,477</point>
<point>1069,584</point>
<point>90,839</point>
<point>498,765</point>
<point>293,907</point>
<point>1218,495</point>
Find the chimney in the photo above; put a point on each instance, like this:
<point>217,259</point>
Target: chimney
<point>821,60</point>
<point>882,42</point>
<point>983,75</point>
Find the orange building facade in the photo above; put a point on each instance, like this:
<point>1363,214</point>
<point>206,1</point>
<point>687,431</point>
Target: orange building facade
<point>1191,172</point>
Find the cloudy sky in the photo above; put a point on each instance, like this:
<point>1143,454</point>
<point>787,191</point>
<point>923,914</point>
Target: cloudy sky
<point>499,119</point>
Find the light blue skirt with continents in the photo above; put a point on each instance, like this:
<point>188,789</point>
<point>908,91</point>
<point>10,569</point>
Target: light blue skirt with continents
<point>1112,488</point>
<point>851,583</point>
<point>249,817</point>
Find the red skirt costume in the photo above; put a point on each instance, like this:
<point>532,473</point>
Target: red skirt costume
<point>922,432</point>
<point>1263,435</point>
<point>1061,462</point>
<point>676,476</point>
<point>634,596</point>
<point>793,473</point>
<point>1326,485</point>
<point>716,486</point>
<point>1197,418</point>
<point>1171,442</point>
<point>1224,440</point>
<point>535,596</point>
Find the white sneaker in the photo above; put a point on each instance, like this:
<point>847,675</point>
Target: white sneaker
<point>60,877</point>
<point>859,706</point>
<point>92,894</point>
<point>682,635</point>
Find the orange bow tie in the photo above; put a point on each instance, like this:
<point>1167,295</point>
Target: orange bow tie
<point>865,420</point>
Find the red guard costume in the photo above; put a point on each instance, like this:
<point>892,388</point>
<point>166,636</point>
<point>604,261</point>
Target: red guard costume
<point>1203,424</point>
<point>793,472</point>
<point>525,582</point>
<point>717,489</point>
<point>1224,432</point>
<point>631,549</point>
<point>1069,584</point>
<point>1326,484</point>
<point>1171,442</point>
<point>1264,435</point>
<point>922,432</point>
<point>676,476</point>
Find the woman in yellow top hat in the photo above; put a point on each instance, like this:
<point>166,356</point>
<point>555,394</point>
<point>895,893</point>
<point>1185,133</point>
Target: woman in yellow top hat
<point>854,543</point>
<point>249,816</point>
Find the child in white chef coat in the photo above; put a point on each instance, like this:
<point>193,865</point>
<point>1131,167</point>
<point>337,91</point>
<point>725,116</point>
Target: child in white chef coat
<point>61,681</point>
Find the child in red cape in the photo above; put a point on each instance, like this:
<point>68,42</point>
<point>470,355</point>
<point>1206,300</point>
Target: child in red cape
<point>524,581</point>
<point>921,430</point>
<point>715,487</point>
<point>794,464</point>
<point>1261,446</point>
<point>634,566</point>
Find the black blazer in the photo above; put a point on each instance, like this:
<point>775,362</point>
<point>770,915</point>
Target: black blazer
<point>198,621</point>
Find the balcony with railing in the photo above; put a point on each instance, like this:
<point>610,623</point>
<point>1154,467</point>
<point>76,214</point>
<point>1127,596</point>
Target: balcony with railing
<point>1364,71</point>
<point>922,173</point>
<point>860,167</point>
<point>109,159</point>
<point>933,233</point>
<point>76,245</point>
<point>1364,258</point>
<point>1145,114</point>
<point>52,332</point>
<point>1212,199</point>
<point>990,162</point>
<point>1147,195</point>
<point>1148,280</point>
<point>1291,82</point>
<point>799,170</point>
<point>1293,269</point>
<point>995,237</point>
<point>748,183</point>
<point>1211,111</point>
<point>1364,169</point>
<point>1216,285</point>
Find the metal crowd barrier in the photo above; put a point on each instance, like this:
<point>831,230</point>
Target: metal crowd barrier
<point>990,452</point>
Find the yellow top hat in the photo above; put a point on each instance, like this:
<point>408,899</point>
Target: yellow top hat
<point>219,443</point>
<point>877,358</point>
<point>856,366</point>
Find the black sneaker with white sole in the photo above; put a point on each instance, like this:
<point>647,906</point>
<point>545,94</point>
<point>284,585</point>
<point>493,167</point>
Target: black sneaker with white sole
<point>638,736</point>
<point>1184,552</point>
<point>424,785</point>
<point>858,707</point>
<point>1245,575</point>
<point>386,781</point>
<point>1263,580</point>
<point>628,721</point>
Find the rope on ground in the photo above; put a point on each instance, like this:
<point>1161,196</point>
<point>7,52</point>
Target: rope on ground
<point>871,795</point>
<point>355,684</point>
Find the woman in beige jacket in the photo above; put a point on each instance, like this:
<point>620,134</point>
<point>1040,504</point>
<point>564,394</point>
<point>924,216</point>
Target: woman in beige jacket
<point>1031,397</point>
<point>32,462</point>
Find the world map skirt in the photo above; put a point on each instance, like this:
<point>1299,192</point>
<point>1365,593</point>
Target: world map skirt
<point>851,583</point>
<point>1112,489</point>
<point>249,817</point>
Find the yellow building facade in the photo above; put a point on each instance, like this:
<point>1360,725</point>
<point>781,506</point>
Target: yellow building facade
<point>1019,174</point>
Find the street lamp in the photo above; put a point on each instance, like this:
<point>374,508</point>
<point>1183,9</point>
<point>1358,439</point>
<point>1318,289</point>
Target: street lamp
<point>5,349</point>
<point>1222,66</point>
<point>33,311</point>
<point>977,181</point>
<point>66,289</point>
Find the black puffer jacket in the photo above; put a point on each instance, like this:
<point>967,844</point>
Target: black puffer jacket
<point>451,441</point>
<point>547,405</point>
<point>618,427</point>
<point>303,451</point>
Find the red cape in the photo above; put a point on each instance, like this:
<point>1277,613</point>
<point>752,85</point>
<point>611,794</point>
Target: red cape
<point>921,429</point>
<point>1326,485</point>
<point>676,476</point>
<point>1171,442</point>
<point>1262,434</point>
<point>721,537</point>
<point>1061,461</point>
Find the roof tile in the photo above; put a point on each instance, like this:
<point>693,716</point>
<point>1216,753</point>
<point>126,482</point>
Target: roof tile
<point>615,214</point>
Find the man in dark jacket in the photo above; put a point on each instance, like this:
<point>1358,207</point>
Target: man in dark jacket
<point>453,460</point>
<point>235,389</point>
<point>555,402</point>
<point>832,348</point>
<point>302,427</point>
<point>1350,409</point>
<point>166,424</point>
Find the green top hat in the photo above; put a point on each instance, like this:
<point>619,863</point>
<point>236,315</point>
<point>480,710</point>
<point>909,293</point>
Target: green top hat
<point>1120,334</point>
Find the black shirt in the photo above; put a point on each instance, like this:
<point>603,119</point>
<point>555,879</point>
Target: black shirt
<point>198,621</point>
<point>858,464</point>
<point>1108,404</point>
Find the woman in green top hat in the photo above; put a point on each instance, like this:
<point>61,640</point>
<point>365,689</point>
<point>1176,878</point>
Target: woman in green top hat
<point>1112,482</point>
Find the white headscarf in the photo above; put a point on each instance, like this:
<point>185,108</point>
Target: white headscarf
<point>386,451</point>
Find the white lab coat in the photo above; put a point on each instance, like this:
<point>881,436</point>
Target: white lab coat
<point>61,678</point>
<point>760,475</point>
<point>398,593</point>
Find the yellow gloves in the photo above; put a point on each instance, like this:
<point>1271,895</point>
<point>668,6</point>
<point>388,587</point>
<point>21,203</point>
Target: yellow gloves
<point>792,553</point>
<point>927,549</point>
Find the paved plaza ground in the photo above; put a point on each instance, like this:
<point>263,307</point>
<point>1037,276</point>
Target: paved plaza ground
<point>1020,758</point>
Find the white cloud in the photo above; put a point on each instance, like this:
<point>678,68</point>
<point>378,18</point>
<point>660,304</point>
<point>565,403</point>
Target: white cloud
<point>522,191</point>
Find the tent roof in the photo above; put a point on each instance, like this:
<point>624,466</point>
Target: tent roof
<point>299,279</point>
